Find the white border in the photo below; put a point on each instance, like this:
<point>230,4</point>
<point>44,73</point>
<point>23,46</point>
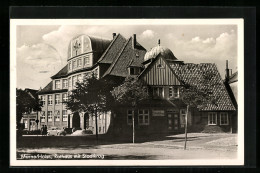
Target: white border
<point>240,53</point>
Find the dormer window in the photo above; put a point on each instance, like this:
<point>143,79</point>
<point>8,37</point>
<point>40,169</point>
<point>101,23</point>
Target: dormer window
<point>134,70</point>
<point>65,83</point>
<point>57,84</point>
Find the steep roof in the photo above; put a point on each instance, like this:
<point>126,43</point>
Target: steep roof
<point>113,49</point>
<point>126,57</point>
<point>193,74</point>
<point>31,92</point>
<point>62,73</point>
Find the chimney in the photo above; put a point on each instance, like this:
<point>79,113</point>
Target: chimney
<point>159,42</point>
<point>134,41</point>
<point>114,34</point>
<point>227,71</point>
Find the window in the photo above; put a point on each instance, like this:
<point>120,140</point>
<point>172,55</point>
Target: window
<point>25,124</point>
<point>224,118</point>
<point>65,83</point>
<point>57,116</point>
<point>143,117</point>
<point>134,70</point>
<point>175,92</point>
<point>64,115</point>
<point>170,92</point>
<point>79,78</point>
<point>70,82</point>
<point>74,65</point>
<point>64,97</point>
<point>49,115</point>
<point>57,84</point>
<point>49,99</point>
<point>74,80</point>
<point>69,66</point>
<point>42,118</point>
<point>42,98</point>
<point>86,61</point>
<point>130,114</point>
<point>57,99</point>
<point>79,62</point>
<point>212,118</point>
<point>158,91</point>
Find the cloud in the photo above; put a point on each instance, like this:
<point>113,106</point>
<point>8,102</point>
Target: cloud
<point>209,50</point>
<point>147,34</point>
<point>35,64</point>
<point>60,38</point>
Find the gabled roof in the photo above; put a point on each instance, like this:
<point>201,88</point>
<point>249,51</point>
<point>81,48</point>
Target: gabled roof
<point>126,57</point>
<point>153,61</point>
<point>113,49</point>
<point>192,74</point>
<point>62,73</point>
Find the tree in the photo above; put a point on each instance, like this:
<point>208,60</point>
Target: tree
<point>199,94</point>
<point>131,91</point>
<point>25,103</point>
<point>92,95</point>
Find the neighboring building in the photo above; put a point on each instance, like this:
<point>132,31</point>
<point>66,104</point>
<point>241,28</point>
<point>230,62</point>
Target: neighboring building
<point>29,120</point>
<point>233,83</point>
<point>159,68</point>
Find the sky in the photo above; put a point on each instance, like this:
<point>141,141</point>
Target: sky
<point>41,50</point>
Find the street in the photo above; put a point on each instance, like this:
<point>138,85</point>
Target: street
<point>199,146</point>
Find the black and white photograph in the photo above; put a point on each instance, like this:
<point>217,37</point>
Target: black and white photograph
<point>132,92</point>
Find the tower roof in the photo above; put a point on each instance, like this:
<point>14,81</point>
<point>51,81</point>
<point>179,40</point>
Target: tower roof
<point>164,51</point>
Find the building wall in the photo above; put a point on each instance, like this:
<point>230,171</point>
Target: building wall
<point>161,120</point>
<point>201,122</point>
<point>54,108</point>
<point>29,121</point>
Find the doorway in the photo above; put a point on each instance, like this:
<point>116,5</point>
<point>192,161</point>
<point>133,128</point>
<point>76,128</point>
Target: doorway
<point>76,120</point>
<point>86,121</point>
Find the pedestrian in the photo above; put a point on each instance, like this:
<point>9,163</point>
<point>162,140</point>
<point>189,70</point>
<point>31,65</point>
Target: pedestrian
<point>42,130</point>
<point>45,130</point>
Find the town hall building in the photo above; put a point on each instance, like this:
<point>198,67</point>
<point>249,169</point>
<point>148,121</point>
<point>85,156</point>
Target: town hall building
<point>119,58</point>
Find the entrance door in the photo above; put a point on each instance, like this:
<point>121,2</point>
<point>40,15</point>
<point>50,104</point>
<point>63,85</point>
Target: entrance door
<point>76,120</point>
<point>173,121</point>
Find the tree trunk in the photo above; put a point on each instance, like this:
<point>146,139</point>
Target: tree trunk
<point>133,128</point>
<point>186,126</point>
<point>96,125</point>
<point>231,123</point>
